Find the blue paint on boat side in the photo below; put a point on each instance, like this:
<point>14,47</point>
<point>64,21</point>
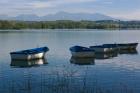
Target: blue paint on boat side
<point>32,51</point>
<point>80,49</point>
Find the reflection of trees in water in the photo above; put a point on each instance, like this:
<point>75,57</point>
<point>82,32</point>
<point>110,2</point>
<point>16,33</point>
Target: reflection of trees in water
<point>61,80</point>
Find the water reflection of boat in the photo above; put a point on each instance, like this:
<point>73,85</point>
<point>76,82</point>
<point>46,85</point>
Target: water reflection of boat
<point>106,55</point>
<point>82,61</point>
<point>132,51</point>
<point>31,63</point>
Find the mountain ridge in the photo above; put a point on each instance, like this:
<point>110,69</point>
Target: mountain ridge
<point>59,16</point>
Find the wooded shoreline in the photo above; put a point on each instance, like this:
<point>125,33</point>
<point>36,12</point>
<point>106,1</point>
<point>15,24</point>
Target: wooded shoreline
<point>69,24</point>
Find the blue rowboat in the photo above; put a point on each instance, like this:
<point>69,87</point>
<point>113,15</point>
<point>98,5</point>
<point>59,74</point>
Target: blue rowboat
<point>127,46</point>
<point>105,48</point>
<point>79,51</point>
<point>29,54</point>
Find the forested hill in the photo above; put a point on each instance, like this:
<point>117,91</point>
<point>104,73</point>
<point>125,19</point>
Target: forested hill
<point>68,24</point>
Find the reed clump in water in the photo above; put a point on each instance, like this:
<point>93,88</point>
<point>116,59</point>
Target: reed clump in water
<point>63,80</point>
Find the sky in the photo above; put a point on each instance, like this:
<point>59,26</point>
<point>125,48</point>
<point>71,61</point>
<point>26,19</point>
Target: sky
<point>127,9</point>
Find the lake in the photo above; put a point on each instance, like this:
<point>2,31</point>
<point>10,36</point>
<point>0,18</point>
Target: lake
<point>59,72</point>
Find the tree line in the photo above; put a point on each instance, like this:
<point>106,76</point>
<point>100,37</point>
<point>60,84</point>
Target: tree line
<point>69,24</point>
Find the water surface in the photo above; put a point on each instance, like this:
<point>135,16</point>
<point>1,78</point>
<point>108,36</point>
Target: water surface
<point>59,73</point>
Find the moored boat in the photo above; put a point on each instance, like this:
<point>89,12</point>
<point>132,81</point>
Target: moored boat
<point>29,54</point>
<point>127,46</point>
<point>79,51</point>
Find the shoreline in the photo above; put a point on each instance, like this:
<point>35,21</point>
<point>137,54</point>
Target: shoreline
<point>67,30</point>
<point>70,25</point>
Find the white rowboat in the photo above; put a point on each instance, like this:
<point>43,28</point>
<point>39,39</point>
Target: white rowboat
<point>29,54</point>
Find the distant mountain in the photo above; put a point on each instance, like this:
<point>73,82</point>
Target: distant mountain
<point>4,17</point>
<point>60,16</point>
<point>77,16</point>
<point>29,17</point>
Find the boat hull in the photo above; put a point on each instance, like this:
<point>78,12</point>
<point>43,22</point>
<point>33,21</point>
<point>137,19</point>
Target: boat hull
<point>104,50</point>
<point>132,51</point>
<point>27,56</point>
<point>101,49</point>
<point>129,46</point>
<point>106,55</point>
<point>83,54</point>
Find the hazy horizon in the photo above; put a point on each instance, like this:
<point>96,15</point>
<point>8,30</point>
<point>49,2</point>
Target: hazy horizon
<point>125,9</point>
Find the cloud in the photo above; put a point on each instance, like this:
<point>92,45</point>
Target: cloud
<point>134,15</point>
<point>39,4</point>
<point>56,3</point>
<point>15,7</point>
<point>108,2</point>
<point>117,8</point>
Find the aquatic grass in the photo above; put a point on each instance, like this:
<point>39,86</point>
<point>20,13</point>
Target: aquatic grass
<point>65,80</point>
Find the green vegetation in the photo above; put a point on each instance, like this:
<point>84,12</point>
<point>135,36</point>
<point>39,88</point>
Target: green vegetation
<point>68,24</point>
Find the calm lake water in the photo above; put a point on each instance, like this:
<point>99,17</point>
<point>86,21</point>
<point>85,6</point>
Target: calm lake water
<point>59,73</point>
